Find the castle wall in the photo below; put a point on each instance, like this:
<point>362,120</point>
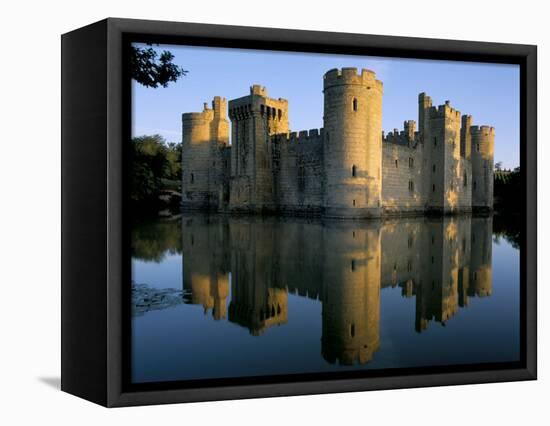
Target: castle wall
<point>298,171</point>
<point>403,186</point>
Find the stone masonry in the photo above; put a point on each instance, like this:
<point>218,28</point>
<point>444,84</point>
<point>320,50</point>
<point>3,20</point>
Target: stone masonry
<point>348,169</point>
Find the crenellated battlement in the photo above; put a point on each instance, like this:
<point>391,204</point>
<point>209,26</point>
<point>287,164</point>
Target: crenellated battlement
<point>444,111</point>
<point>303,136</point>
<point>482,130</point>
<point>404,137</point>
<point>351,76</point>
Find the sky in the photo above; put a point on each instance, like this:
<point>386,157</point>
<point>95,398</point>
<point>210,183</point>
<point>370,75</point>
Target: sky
<point>488,92</point>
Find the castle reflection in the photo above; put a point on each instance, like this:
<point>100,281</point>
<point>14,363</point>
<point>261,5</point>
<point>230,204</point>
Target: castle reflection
<point>243,269</point>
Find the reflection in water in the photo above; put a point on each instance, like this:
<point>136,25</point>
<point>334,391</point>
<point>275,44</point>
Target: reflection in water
<point>242,270</point>
<point>221,296</point>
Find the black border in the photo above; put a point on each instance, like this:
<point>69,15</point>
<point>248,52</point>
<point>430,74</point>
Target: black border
<point>119,32</point>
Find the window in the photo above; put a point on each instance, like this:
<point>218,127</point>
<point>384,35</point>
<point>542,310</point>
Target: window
<point>435,141</point>
<point>465,180</point>
<point>353,265</point>
<point>411,162</point>
<point>433,187</point>
<point>353,203</point>
<point>280,114</point>
<point>352,330</point>
<point>355,104</point>
<point>192,178</point>
<point>433,168</point>
<point>354,171</point>
<point>411,186</point>
<point>474,184</point>
<point>396,164</point>
<point>477,147</point>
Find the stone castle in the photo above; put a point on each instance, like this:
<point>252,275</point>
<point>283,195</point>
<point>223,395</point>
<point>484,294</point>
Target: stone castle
<point>349,168</point>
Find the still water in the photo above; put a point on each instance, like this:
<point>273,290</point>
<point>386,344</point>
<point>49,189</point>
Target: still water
<point>217,296</point>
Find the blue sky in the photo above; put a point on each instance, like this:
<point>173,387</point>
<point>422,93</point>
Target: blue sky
<point>488,92</point>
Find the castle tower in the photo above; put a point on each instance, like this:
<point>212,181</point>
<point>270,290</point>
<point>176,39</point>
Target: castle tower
<point>424,105</point>
<point>352,143</point>
<point>483,141</point>
<point>351,293</point>
<point>254,119</point>
<point>441,136</point>
<point>204,135</point>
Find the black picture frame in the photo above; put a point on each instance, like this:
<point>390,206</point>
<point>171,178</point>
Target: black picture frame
<point>95,248</point>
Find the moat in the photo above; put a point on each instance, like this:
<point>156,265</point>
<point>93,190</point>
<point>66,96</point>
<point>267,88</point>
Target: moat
<point>218,296</point>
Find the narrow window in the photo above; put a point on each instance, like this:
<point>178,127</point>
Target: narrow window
<point>353,203</point>
<point>477,147</point>
<point>280,114</point>
<point>465,180</point>
<point>433,168</point>
<point>411,186</point>
<point>433,187</point>
<point>352,330</point>
<point>411,162</point>
<point>355,104</point>
<point>409,266</point>
<point>354,171</point>
<point>474,184</point>
<point>435,141</point>
<point>352,265</point>
<point>396,162</point>
<point>262,109</point>
<point>192,178</point>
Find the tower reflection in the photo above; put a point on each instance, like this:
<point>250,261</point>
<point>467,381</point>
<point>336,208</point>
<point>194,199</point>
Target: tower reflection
<point>243,269</point>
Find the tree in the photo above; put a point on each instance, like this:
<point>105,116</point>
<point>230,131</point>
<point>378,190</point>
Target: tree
<point>498,166</point>
<point>149,71</point>
<point>156,167</point>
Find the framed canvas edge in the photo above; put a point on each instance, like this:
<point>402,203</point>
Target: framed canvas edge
<point>526,55</point>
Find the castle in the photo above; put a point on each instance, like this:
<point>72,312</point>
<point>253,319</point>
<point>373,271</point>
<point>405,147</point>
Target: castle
<point>349,168</point>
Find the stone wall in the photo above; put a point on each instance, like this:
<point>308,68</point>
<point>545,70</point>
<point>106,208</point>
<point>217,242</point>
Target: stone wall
<point>346,169</point>
<point>403,172</point>
<point>298,172</point>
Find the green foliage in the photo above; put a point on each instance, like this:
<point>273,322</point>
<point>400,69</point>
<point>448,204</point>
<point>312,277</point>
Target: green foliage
<point>151,70</point>
<point>507,190</point>
<point>154,163</point>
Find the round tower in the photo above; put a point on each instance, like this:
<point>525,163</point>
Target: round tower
<point>196,151</point>
<point>353,143</point>
<point>483,141</point>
